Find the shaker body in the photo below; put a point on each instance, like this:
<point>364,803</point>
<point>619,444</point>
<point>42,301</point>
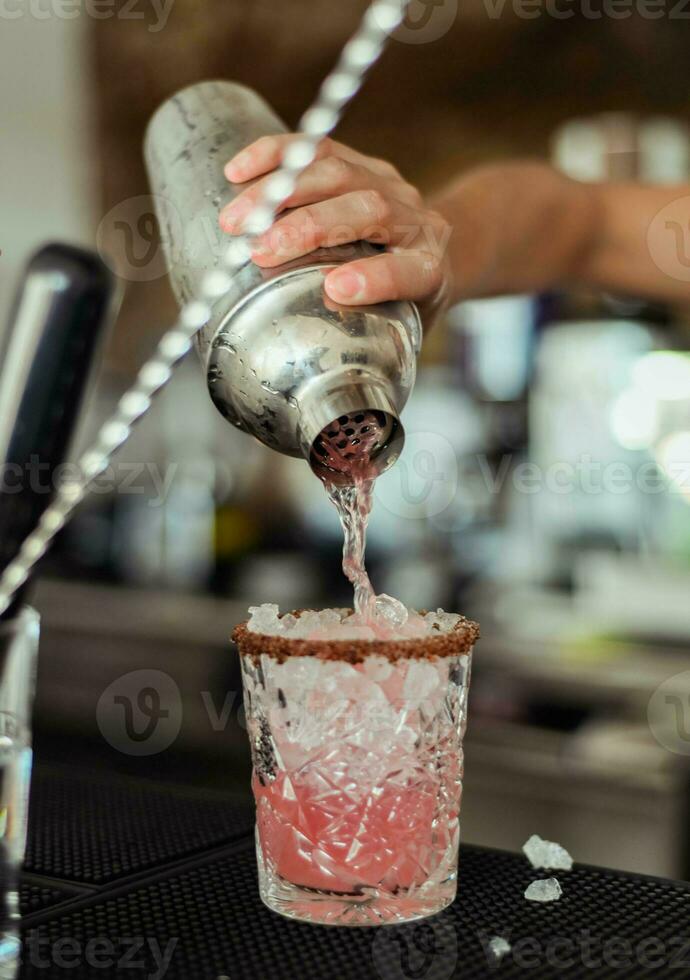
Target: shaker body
<point>279,356</point>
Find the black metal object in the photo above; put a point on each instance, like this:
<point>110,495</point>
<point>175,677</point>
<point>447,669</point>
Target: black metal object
<point>54,334</point>
<point>205,913</point>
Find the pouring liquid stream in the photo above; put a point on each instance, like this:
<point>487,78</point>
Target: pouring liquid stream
<point>354,507</point>
<point>347,447</point>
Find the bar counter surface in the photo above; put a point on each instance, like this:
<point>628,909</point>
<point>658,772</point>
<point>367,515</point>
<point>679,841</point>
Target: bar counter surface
<point>130,878</point>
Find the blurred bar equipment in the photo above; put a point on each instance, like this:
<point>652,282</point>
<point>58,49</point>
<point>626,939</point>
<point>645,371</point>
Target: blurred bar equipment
<point>580,600</point>
<point>55,334</point>
<point>603,399</point>
<point>53,338</point>
<point>283,363</point>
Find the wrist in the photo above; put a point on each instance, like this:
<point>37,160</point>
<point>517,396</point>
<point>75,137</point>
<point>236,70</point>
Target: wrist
<point>517,227</point>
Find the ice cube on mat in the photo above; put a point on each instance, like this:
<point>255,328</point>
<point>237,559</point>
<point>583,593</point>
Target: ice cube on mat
<point>544,890</point>
<point>498,947</point>
<point>547,854</point>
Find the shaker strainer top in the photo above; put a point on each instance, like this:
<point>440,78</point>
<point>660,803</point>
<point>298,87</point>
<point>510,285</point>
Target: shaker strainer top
<point>351,441</point>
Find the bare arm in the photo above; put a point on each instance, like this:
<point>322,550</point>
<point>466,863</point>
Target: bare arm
<point>516,227</point>
<point>641,241</point>
<point>524,226</point>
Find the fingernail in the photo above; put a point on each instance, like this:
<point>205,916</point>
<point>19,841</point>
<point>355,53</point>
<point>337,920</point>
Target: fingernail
<point>235,213</point>
<point>236,167</point>
<point>347,284</point>
<point>262,250</point>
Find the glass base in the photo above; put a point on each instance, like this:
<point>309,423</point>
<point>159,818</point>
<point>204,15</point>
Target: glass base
<point>370,907</point>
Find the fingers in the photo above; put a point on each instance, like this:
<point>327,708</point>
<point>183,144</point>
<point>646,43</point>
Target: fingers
<point>343,197</point>
<point>329,177</point>
<point>401,274</point>
<point>266,153</point>
<point>356,216</point>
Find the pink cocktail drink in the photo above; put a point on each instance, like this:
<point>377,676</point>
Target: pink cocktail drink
<point>357,752</point>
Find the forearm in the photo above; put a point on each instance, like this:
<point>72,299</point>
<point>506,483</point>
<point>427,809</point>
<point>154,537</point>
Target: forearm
<point>522,227</point>
<point>516,227</point>
<point>641,244</point>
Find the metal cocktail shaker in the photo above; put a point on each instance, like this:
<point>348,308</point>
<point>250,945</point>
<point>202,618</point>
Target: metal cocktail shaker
<point>283,362</point>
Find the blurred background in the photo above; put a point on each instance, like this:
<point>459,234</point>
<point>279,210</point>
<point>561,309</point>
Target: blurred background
<point>545,486</point>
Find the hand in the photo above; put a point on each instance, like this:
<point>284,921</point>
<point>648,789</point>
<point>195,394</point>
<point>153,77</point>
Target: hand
<point>345,196</point>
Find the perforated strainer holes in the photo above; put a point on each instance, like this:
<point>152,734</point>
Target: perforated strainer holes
<point>352,439</point>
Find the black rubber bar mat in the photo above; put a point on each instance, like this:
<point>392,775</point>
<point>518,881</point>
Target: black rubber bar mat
<point>91,829</point>
<point>36,898</point>
<point>206,921</point>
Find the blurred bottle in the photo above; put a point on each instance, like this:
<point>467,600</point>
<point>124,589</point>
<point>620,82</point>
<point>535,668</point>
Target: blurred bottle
<point>617,146</point>
<point>584,402</point>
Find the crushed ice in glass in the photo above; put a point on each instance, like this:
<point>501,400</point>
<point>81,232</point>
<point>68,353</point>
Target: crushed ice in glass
<point>391,610</point>
<point>498,948</point>
<point>544,890</point>
<point>547,854</point>
<point>393,621</point>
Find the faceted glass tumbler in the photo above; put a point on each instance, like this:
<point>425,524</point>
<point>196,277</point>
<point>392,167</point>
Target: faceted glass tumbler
<point>18,655</point>
<point>357,778</point>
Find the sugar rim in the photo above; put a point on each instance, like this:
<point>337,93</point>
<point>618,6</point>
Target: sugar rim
<point>460,639</point>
